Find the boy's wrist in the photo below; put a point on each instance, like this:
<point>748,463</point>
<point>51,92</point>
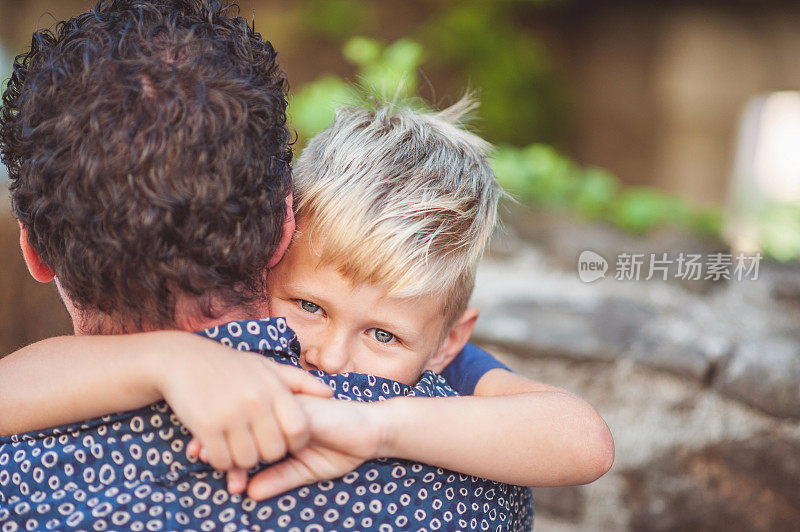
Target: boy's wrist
<point>386,415</point>
<point>159,352</point>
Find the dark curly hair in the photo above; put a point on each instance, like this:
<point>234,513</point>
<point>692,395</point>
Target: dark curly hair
<point>149,158</point>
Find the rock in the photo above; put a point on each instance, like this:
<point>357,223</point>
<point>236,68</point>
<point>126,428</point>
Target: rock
<point>618,322</point>
<point>652,414</point>
<point>544,330</point>
<point>765,373</point>
<point>563,328</point>
<point>567,503</point>
<point>745,485</point>
<point>530,304</point>
<point>680,347</point>
<point>562,237</point>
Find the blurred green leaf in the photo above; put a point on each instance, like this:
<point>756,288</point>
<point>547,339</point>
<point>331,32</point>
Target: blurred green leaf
<point>313,107</point>
<point>708,222</point>
<point>596,194</point>
<point>780,231</point>
<point>393,74</point>
<point>639,210</point>
<point>361,51</point>
<point>522,99</point>
<point>540,176</point>
<point>389,73</point>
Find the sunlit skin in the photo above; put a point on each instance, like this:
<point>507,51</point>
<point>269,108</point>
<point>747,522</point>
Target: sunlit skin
<point>344,327</point>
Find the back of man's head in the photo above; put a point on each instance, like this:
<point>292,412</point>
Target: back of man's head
<point>148,152</point>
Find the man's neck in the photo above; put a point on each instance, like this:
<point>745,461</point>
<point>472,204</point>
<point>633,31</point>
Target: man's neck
<point>92,324</point>
<point>197,323</point>
<point>188,318</point>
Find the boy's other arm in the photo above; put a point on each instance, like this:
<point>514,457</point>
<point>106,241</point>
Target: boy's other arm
<point>519,432</point>
<point>240,405</point>
<point>512,430</point>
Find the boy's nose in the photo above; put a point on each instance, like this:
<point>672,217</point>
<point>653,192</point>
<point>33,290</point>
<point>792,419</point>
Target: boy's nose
<point>329,356</point>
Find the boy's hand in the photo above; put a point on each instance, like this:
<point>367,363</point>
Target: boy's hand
<point>344,435</point>
<point>237,478</point>
<point>239,405</point>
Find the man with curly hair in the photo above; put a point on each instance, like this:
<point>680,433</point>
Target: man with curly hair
<point>149,159</point>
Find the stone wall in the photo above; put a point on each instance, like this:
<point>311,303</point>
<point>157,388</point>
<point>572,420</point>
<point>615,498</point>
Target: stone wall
<point>700,384</point>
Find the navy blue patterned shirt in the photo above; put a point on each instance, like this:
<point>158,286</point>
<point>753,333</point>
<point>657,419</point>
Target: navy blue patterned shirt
<point>129,471</point>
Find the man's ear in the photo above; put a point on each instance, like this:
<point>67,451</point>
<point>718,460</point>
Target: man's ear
<point>454,342</point>
<point>288,233</point>
<point>38,269</point>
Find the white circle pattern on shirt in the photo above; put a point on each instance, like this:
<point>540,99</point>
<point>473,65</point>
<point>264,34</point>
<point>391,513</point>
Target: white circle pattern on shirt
<point>129,472</point>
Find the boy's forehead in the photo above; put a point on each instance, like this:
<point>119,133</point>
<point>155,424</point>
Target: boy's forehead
<point>378,302</point>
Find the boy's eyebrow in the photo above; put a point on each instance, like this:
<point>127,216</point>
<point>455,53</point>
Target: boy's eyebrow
<point>307,290</point>
<point>398,329</point>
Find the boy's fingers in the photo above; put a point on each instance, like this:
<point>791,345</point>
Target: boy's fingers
<point>269,439</point>
<point>216,448</point>
<point>281,477</point>
<point>242,447</point>
<point>298,381</point>
<point>292,421</point>
<point>237,481</point>
<point>193,448</point>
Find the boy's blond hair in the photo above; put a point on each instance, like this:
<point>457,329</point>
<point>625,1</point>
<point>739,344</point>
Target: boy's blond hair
<point>402,198</point>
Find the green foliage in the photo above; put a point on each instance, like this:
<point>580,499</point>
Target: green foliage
<point>391,72</point>
<point>313,107</point>
<point>538,175</point>
<point>521,97</point>
<point>388,73</point>
<point>780,231</point>
<point>472,43</point>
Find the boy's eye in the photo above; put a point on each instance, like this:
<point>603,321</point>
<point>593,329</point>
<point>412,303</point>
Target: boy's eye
<point>308,306</point>
<point>382,336</point>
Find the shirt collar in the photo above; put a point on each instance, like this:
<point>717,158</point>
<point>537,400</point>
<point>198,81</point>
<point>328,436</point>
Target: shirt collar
<point>262,335</point>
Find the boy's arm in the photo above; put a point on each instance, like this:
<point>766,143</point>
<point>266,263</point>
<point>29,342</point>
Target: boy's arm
<point>531,434</point>
<point>72,378</point>
<point>240,405</point>
<point>513,430</point>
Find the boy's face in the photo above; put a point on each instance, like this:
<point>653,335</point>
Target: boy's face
<point>346,328</point>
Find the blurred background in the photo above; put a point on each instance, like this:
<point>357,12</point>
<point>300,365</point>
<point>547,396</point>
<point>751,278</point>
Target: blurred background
<point>622,128</point>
